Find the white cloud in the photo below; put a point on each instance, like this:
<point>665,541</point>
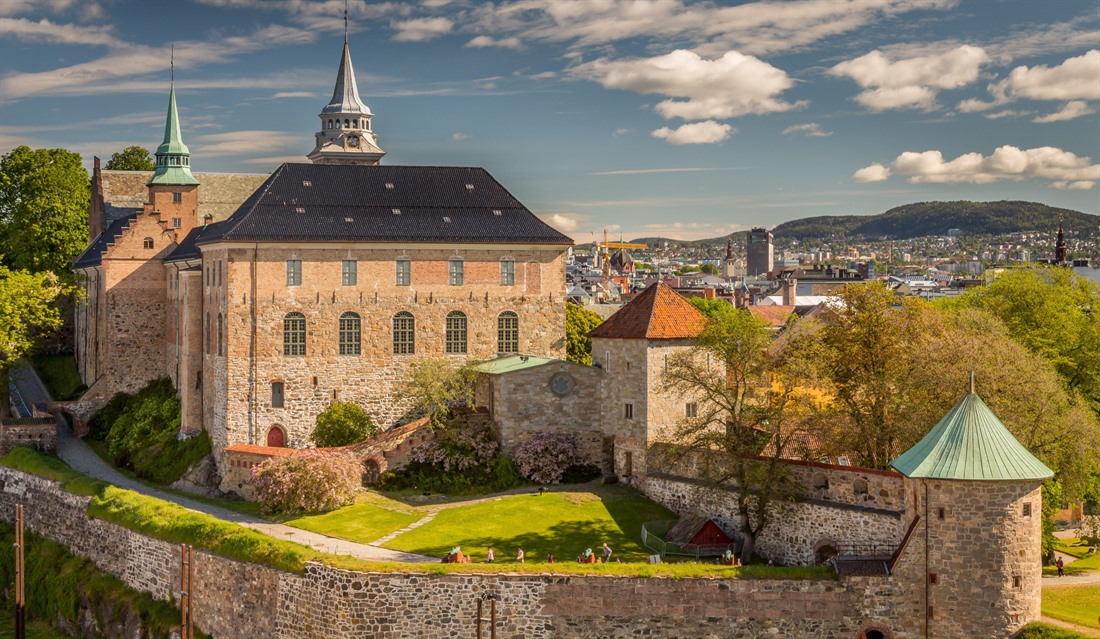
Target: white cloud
<point>707,132</point>
<point>1007,113</point>
<point>1076,78</point>
<point>1006,163</point>
<point>811,130</point>
<point>726,87</point>
<point>421,29</point>
<point>88,10</point>
<point>545,75</point>
<point>1080,185</point>
<point>483,41</point>
<point>294,94</point>
<point>873,173</point>
<point>53,33</point>
<point>619,132</point>
<point>565,222</point>
<point>911,82</point>
<point>244,143</point>
<point>458,136</point>
<point>1070,111</point>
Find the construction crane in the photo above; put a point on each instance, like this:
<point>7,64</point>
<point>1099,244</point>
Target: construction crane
<point>602,247</point>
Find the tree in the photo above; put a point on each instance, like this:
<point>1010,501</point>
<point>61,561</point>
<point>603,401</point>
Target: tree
<point>307,481</point>
<point>26,313</point>
<point>341,424</point>
<point>713,309</point>
<point>709,269</point>
<point>579,321</point>
<point>132,158</point>
<point>755,403</point>
<point>44,197</point>
<point>435,387</point>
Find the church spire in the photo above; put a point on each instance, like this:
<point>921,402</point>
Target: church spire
<point>173,156</point>
<point>1060,244</point>
<point>346,136</point>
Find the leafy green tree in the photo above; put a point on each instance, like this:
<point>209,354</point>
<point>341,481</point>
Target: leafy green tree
<point>709,269</point>
<point>435,387</point>
<point>132,158</point>
<point>44,197</point>
<point>26,313</point>
<point>755,404</point>
<point>341,424</point>
<point>578,322</point>
<point>713,309</point>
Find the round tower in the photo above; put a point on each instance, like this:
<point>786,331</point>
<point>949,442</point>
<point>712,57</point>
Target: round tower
<point>977,492</point>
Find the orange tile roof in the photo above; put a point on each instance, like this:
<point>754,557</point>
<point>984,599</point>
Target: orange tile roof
<point>773,315</point>
<point>252,449</point>
<point>658,312</point>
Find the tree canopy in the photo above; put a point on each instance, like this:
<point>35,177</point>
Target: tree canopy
<point>132,158</point>
<point>434,387</point>
<point>578,322</point>
<point>44,195</point>
<point>713,309</point>
<point>26,312</point>
<point>341,424</point>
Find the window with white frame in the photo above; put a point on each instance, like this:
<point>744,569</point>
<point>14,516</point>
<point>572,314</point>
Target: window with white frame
<point>404,333</point>
<point>349,275</point>
<point>508,332</point>
<point>404,272</point>
<point>294,272</point>
<point>294,334</point>
<point>455,271</point>
<point>456,332</point>
<point>507,272</point>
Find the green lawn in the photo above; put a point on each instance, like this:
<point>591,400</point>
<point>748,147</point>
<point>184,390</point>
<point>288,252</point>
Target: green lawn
<point>1091,563</point>
<point>364,521</point>
<point>1074,604</point>
<point>1074,547</point>
<point>59,374</point>
<point>1037,630</point>
<point>562,523</point>
<point>35,629</point>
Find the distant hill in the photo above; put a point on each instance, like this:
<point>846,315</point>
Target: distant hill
<point>935,218</point>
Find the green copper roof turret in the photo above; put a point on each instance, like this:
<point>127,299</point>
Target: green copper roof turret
<point>970,443</point>
<point>173,156</point>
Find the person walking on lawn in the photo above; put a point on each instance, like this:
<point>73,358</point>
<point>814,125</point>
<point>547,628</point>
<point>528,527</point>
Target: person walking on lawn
<point>606,552</point>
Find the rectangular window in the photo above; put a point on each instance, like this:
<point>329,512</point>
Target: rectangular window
<point>177,198</point>
<point>941,513</point>
<point>456,272</point>
<point>177,222</point>
<point>628,411</point>
<point>933,578</point>
<point>349,273</point>
<point>691,409</point>
<point>1016,581</point>
<point>276,394</point>
<point>404,272</point>
<point>1027,510</point>
<point>294,272</point>
<point>507,272</point>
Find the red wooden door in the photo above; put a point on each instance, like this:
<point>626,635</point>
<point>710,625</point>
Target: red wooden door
<point>275,437</point>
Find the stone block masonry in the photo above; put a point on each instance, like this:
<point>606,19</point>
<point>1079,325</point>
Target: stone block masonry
<point>235,600</point>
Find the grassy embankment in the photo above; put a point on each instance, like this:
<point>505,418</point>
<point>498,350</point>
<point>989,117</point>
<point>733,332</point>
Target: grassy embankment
<point>59,374</point>
<point>167,521</point>
<point>1078,605</point>
<point>1046,631</point>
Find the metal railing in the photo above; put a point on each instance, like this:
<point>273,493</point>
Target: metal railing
<point>653,533</point>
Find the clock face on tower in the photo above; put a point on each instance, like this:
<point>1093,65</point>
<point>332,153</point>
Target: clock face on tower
<point>353,141</point>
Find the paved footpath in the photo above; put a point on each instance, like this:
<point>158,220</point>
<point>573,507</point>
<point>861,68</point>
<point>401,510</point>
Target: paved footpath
<point>77,454</point>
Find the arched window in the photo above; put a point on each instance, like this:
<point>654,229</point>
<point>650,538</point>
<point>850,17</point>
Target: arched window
<point>221,329</point>
<point>147,242</point>
<point>821,486</point>
<point>276,438</point>
<point>404,333</point>
<point>330,123</point>
<point>294,334</point>
<point>859,487</point>
<point>346,125</point>
<point>508,332</point>
<point>349,334</point>
<point>355,124</point>
<point>456,332</point>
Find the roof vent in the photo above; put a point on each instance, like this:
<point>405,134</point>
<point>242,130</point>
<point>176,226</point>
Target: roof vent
<point>300,209</point>
<point>497,212</point>
<point>397,211</point>
<point>307,183</point>
<point>446,219</point>
<point>469,187</point>
<point>389,185</point>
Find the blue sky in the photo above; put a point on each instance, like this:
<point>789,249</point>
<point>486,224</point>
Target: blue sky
<point>672,118</point>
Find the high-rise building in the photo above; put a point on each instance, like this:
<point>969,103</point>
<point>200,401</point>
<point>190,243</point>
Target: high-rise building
<point>761,252</point>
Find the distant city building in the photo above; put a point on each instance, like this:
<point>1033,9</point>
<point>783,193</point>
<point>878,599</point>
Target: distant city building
<point>761,252</point>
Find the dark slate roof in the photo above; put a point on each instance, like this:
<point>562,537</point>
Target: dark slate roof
<point>187,249</point>
<point>94,253</point>
<point>348,203</point>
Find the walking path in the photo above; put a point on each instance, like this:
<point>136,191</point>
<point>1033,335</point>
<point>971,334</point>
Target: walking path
<point>1088,632</point>
<point>77,454</point>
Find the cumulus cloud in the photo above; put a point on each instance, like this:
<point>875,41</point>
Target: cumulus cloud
<point>810,130</point>
<point>1064,168</point>
<point>421,29</point>
<point>1072,110</point>
<point>911,83</point>
<point>725,87</point>
<point>564,222</point>
<point>1077,78</point>
<point>483,41</point>
<point>707,132</point>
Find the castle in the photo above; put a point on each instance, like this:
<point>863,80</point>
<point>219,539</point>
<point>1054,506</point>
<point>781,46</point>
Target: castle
<point>265,297</point>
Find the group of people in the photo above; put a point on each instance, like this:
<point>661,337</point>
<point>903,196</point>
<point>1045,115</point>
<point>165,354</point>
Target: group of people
<point>457,557</point>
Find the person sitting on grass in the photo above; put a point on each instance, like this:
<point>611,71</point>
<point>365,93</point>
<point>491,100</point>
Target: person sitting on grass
<point>588,557</point>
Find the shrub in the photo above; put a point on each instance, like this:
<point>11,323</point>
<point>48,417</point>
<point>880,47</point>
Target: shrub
<point>581,473</point>
<point>1089,529</point>
<point>100,423</point>
<point>1043,631</point>
<point>308,481</point>
<point>544,457</point>
<point>342,423</point>
<point>460,460</point>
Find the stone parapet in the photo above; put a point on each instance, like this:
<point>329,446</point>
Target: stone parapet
<point>39,433</point>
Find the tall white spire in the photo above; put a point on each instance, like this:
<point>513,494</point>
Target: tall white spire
<point>346,136</point>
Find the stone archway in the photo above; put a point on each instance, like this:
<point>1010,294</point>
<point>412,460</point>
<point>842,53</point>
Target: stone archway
<point>824,550</point>
<point>372,470</point>
<point>276,437</point>
<point>875,632</point>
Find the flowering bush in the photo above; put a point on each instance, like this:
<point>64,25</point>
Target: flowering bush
<point>308,481</point>
<point>544,457</point>
<point>458,450</point>
<point>460,460</point>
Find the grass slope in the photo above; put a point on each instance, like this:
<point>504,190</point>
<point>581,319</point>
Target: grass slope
<point>1090,563</point>
<point>364,521</point>
<point>35,629</point>
<point>562,523</point>
<point>1073,604</point>
<point>60,375</point>
<point>1046,631</point>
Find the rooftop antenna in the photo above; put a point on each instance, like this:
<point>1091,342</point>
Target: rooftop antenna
<point>172,64</point>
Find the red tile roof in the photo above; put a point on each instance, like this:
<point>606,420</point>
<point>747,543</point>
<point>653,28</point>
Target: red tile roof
<point>270,451</point>
<point>658,312</point>
<point>773,315</point>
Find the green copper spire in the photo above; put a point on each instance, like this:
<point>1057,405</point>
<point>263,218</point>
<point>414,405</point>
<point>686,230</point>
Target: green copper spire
<point>173,156</point>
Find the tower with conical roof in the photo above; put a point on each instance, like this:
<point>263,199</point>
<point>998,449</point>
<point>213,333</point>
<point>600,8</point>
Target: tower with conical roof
<point>1060,245</point>
<point>173,197</point>
<point>977,542</point>
<point>346,136</point>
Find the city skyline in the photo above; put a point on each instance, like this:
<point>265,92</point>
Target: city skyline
<point>684,120</point>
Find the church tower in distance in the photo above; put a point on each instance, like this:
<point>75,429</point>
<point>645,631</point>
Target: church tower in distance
<point>346,136</point>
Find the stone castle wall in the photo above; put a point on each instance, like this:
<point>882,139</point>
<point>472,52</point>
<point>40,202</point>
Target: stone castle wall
<point>234,600</point>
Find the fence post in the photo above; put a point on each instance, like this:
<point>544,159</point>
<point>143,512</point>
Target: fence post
<point>186,557</point>
<point>20,576</point>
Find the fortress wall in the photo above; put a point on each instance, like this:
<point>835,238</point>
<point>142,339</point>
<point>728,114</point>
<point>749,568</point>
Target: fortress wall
<point>234,600</point>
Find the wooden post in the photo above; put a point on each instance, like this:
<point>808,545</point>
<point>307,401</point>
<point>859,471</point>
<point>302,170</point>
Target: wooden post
<point>479,618</point>
<point>493,618</point>
<point>20,576</point>
<point>187,555</point>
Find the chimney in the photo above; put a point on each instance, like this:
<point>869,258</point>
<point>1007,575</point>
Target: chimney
<point>709,293</point>
<point>790,287</point>
<point>97,216</point>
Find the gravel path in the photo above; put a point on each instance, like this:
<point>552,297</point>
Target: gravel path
<point>77,454</point>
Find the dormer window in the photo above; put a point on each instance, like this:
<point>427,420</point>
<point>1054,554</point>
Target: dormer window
<point>469,187</point>
<point>147,243</point>
<point>389,185</point>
